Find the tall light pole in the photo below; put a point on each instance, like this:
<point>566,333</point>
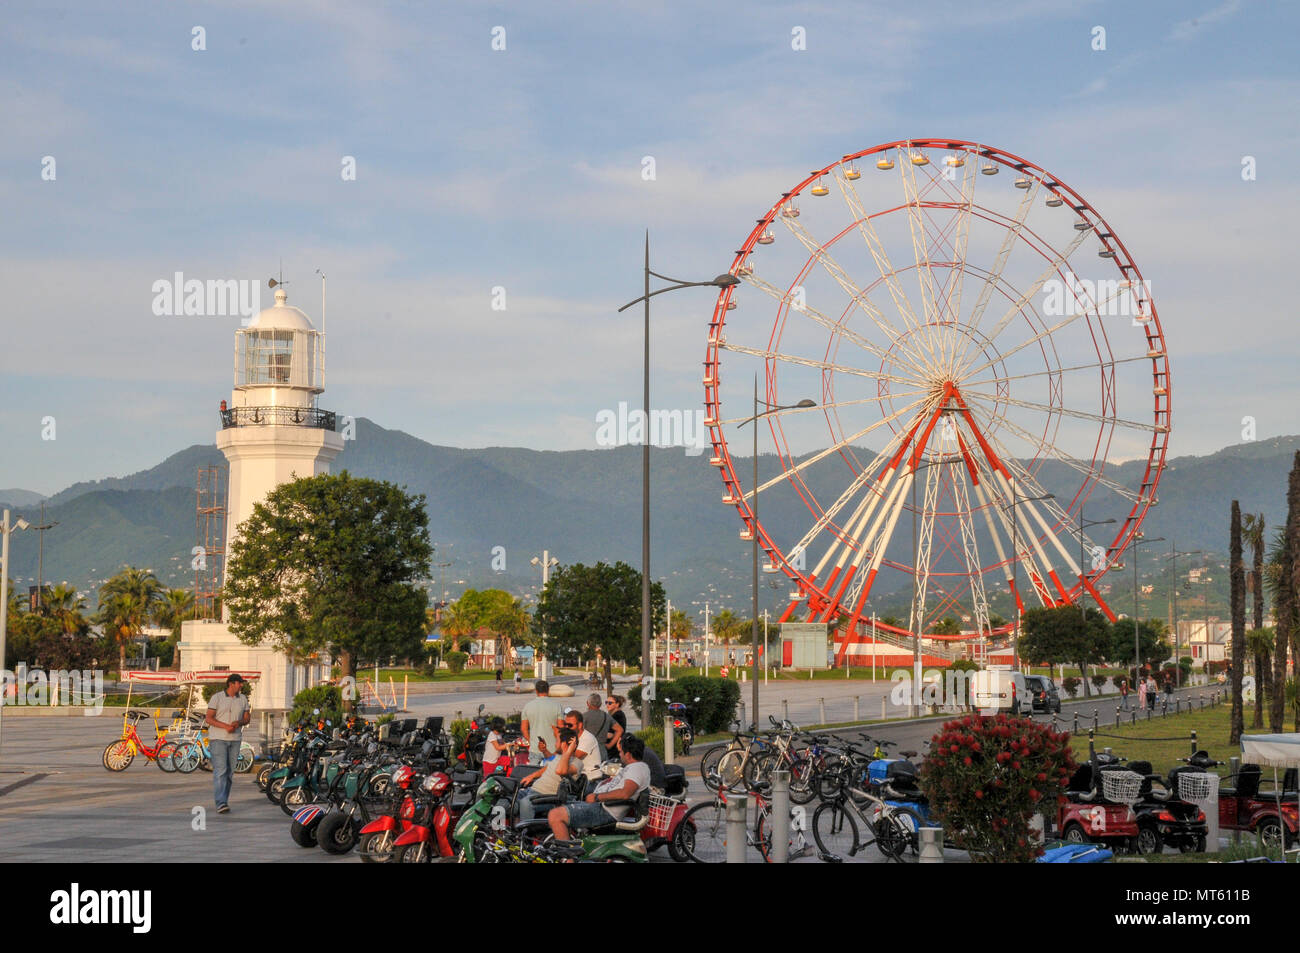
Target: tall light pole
<point>1138,540</point>
<point>1015,565</point>
<point>546,562</point>
<point>753,530</point>
<point>5,532</point>
<point>721,281</point>
<point>40,558</point>
<point>1084,524</point>
<point>1173,563</point>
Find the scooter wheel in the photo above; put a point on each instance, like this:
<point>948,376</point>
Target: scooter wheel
<point>337,833</point>
<point>293,799</point>
<point>1075,834</point>
<point>263,777</point>
<point>417,853</point>
<point>376,847</point>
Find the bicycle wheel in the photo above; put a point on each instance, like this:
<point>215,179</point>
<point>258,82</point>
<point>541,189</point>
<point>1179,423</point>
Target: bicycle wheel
<point>803,779</point>
<point>164,756</point>
<point>687,738</point>
<point>731,770</point>
<point>709,822</point>
<point>896,834</point>
<point>246,758</point>
<point>835,831</point>
<point>758,769</point>
<point>118,755</point>
<point>709,766</point>
<point>795,847</point>
<point>187,757</point>
<point>829,783</point>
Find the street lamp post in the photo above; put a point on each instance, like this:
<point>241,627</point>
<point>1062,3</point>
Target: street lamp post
<point>546,562</point>
<point>1173,563</point>
<point>5,531</point>
<point>1084,524</point>
<point>1138,540</point>
<point>721,281</point>
<point>753,530</point>
<point>1015,565</point>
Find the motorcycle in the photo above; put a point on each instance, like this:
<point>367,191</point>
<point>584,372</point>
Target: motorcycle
<point>683,730</point>
<point>1272,816</point>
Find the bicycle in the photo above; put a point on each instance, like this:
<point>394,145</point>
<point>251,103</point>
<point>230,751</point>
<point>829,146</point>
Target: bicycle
<point>196,754</point>
<point>742,762</point>
<point>119,754</point>
<point>709,825</point>
<point>893,828</point>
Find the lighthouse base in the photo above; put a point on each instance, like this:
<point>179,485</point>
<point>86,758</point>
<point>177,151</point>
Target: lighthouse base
<point>211,645</point>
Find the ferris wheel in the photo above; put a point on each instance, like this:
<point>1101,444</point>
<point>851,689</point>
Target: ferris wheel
<point>971,332</point>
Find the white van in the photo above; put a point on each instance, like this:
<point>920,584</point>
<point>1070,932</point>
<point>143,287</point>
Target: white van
<point>1001,690</point>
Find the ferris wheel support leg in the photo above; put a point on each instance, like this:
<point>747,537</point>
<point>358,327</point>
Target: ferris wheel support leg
<point>1087,584</point>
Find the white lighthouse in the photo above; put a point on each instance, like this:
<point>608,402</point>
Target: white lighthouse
<point>271,432</point>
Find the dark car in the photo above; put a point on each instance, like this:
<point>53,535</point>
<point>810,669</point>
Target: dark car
<point>1042,690</point>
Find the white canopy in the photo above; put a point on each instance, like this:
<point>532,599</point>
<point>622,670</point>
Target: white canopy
<point>204,677</point>
<point>1278,751</point>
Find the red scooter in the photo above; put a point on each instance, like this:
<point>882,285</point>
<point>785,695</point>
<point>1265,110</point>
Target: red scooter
<point>1272,816</point>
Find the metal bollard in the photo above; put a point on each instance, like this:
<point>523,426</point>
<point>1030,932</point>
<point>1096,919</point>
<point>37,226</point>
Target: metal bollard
<point>742,714</point>
<point>1193,741</point>
<point>1117,716</point>
<point>1094,719</point>
<point>737,819</point>
<point>785,709</point>
<point>1076,723</point>
<point>1234,770</point>
<point>856,700</point>
<point>670,737</point>
<point>821,711</point>
<point>931,845</point>
<point>780,817</point>
<point>882,708</point>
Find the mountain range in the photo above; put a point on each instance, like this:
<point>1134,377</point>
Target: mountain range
<point>501,506</point>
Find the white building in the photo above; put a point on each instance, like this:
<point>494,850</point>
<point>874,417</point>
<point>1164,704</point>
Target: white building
<point>1193,640</point>
<point>271,433</point>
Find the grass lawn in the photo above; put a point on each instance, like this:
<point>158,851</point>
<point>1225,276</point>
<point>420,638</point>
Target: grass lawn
<point>1212,727</point>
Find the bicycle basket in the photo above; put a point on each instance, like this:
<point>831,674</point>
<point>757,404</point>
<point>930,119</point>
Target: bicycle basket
<point>660,814</point>
<point>1195,786</point>
<point>1122,787</point>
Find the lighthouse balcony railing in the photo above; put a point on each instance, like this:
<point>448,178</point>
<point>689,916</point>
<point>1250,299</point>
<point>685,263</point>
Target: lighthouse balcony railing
<point>311,417</point>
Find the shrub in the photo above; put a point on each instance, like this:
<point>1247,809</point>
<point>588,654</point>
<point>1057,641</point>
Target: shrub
<point>653,738</point>
<point>1071,684</point>
<point>456,661</point>
<point>328,698</point>
<point>988,777</point>
<point>1099,681</point>
<point>715,710</point>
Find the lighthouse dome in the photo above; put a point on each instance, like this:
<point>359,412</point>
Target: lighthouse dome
<point>283,316</point>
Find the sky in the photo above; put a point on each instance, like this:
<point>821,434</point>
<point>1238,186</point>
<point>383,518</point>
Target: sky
<point>503,147</point>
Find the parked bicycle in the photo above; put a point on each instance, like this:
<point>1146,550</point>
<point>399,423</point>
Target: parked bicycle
<point>708,822</point>
<point>119,754</point>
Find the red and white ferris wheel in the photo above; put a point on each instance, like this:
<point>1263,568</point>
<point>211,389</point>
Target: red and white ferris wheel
<point>971,329</point>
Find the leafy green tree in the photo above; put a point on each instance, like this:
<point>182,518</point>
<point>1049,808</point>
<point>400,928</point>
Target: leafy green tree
<point>330,563</point>
<point>590,610</point>
<point>1153,648</point>
<point>1053,636</point>
<point>946,626</point>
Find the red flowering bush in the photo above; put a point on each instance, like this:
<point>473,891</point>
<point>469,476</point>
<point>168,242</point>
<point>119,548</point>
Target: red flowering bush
<point>987,778</point>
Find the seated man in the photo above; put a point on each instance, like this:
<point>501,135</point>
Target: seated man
<point>590,753</point>
<point>631,780</point>
<point>548,781</point>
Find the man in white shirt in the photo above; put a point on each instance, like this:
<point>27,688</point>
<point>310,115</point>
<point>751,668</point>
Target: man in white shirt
<point>590,752</point>
<point>226,717</point>
<point>631,780</point>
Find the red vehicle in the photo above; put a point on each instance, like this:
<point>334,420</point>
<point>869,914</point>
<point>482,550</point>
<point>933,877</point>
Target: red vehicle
<point>1244,808</point>
<point>1108,802</point>
<point>423,814</point>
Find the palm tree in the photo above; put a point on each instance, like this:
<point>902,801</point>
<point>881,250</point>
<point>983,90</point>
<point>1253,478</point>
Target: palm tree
<point>1252,534</point>
<point>175,606</point>
<point>725,625</point>
<point>66,604</point>
<point>510,623</point>
<point>1276,571</point>
<point>1259,643</point>
<point>455,626</point>
<point>1237,590</point>
<point>126,602</point>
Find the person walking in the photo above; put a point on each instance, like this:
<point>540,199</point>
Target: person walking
<point>519,680</point>
<point>227,714</point>
<point>1152,692</point>
<point>1123,693</point>
<point>499,682</point>
<point>1142,693</point>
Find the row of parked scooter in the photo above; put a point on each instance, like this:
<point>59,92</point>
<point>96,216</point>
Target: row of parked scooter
<point>394,794</point>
